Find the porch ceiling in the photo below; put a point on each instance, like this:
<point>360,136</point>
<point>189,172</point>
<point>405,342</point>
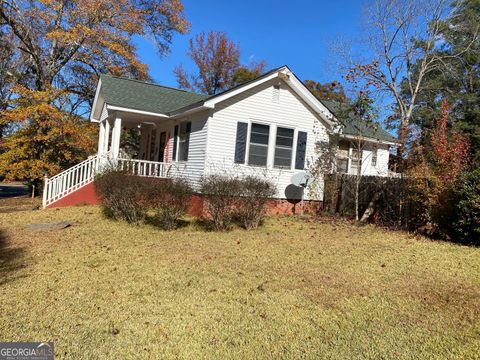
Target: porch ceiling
<point>132,120</point>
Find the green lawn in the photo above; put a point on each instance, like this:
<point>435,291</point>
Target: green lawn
<point>293,289</point>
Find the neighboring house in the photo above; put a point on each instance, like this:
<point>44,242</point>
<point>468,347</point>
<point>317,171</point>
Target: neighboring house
<point>270,126</point>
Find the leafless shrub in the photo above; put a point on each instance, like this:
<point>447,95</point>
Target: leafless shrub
<point>221,193</point>
<point>122,196</point>
<point>169,198</point>
<point>251,204</point>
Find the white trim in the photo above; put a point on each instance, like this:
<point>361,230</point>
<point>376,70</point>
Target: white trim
<point>94,106</point>
<point>117,129</point>
<point>311,100</point>
<point>202,107</point>
<point>107,136</point>
<point>368,139</point>
<point>101,138</point>
<point>119,108</point>
<point>291,80</point>
<point>247,152</point>
<point>294,143</point>
<point>212,102</point>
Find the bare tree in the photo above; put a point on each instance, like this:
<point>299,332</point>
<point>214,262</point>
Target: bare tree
<point>403,38</point>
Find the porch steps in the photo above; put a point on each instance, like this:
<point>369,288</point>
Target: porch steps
<point>75,185</point>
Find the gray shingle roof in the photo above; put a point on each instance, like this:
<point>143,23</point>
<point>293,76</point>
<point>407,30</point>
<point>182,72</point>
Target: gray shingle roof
<point>354,125</point>
<point>144,96</point>
<point>155,98</point>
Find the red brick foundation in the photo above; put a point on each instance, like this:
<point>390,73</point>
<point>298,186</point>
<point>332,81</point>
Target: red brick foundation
<point>288,207</point>
<point>87,196</point>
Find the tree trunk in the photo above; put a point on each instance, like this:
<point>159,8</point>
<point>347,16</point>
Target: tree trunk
<point>371,207</point>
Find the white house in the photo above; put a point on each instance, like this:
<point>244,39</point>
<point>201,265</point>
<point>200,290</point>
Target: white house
<point>271,126</point>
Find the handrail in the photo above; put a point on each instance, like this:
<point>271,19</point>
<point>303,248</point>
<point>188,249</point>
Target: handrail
<point>84,173</point>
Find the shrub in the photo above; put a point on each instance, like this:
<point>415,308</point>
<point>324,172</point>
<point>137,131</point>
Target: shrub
<point>122,196</point>
<point>221,193</point>
<point>466,217</point>
<point>170,199</point>
<point>254,193</point>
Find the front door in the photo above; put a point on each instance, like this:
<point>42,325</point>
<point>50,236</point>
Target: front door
<point>163,144</point>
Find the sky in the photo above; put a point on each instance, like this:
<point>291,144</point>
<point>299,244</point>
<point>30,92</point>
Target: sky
<point>298,33</point>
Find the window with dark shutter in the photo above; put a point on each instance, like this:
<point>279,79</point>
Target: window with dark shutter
<point>301,150</point>
<point>258,149</point>
<point>184,140</point>
<point>283,148</point>
<point>241,143</point>
<point>175,143</point>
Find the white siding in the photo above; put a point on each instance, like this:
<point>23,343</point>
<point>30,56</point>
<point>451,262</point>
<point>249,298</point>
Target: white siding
<point>260,104</point>
<point>381,169</point>
<point>193,169</point>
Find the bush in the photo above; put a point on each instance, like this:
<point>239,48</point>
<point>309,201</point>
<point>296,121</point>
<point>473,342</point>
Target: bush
<point>221,193</point>
<point>254,193</point>
<point>122,196</point>
<point>170,199</point>
<point>466,215</point>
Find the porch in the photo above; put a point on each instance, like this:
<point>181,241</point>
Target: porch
<point>137,143</point>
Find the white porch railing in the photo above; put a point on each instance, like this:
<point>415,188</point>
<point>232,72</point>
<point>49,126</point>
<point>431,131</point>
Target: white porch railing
<point>145,168</point>
<point>84,173</point>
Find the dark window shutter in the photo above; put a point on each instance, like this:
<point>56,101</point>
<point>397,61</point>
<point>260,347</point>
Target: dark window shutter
<point>241,144</point>
<point>188,130</point>
<point>175,143</point>
<point>301,150</point>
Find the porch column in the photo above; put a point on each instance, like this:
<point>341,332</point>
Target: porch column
<point>117,128</point>
<point>106,136</point>
<point>101,138</point>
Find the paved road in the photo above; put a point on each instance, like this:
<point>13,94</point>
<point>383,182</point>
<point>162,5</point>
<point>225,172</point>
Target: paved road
<point>8,190</point>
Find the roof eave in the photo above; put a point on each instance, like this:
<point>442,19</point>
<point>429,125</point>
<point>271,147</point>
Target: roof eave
<point>369,139</point>
<point>95,100</point>
<point>190,109</point>
<point>136,111</point>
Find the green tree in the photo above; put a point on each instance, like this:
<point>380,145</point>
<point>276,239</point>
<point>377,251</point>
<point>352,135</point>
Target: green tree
<point>457,78</point>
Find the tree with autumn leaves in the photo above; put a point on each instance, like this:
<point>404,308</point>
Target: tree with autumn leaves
<point>436,161</point>
<point>60,47</point>
<point>217,61</point>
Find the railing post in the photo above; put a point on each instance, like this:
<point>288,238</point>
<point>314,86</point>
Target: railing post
<point>44,199</point>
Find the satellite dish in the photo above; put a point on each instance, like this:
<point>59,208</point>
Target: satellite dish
<point>302,179</point>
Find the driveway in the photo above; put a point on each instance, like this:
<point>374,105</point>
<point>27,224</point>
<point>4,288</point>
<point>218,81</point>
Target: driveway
<point>8,190</point>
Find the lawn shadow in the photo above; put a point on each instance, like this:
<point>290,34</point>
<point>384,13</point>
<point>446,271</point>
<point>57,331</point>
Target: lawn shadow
<point>10,259</point>
<point>156,222</point>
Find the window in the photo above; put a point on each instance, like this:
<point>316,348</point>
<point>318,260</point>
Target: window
<point>258,149</point>
<point>356,161</point>
<point>342,156</point>
<point>283,148</point>
<point>183,140</point>
<point>374,157</point>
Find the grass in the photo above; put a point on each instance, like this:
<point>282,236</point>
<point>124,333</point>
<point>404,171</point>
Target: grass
<point>292,289</point>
